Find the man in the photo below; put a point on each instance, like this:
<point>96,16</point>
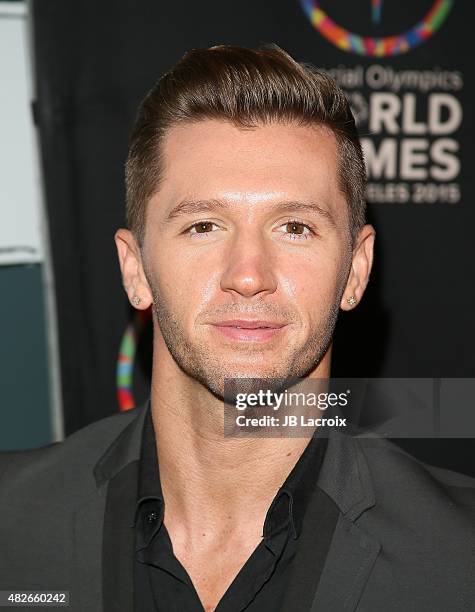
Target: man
<point>247,236</point>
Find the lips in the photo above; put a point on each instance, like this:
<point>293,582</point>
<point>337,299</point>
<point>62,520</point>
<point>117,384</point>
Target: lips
<point>249,324</point>
<point>245,330</point>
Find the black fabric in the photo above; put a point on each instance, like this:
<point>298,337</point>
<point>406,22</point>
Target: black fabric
<point>162,583</point>
<point>118,539</point>
<point>315,541</point>
<point>404,539</point>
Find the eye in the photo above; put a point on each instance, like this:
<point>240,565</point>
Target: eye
<point>202,227</point>
<point>297,230</point>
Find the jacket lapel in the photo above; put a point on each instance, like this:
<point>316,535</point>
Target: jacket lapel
<point>346,479</point>
<point>86,594</point>
<point>348,566</point>
<point>103,532</point>
<point>119,541</point>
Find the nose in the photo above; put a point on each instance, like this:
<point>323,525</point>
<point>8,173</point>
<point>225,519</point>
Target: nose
<point>248,269</point>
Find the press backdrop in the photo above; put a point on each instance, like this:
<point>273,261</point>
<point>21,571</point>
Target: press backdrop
<point>408,71</point>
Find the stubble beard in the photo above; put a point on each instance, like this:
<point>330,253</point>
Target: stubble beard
<point>200,362</point>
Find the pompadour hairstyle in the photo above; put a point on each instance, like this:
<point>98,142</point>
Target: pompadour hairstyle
<point>247,87</point>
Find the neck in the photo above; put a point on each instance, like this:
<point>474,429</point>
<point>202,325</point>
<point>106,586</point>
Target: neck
<point>205,476</point>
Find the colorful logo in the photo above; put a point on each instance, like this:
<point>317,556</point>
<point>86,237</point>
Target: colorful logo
<point>377,47</point>
<point>126,359</point>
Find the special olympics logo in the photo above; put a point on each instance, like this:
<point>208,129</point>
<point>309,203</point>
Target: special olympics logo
<point>377,47</point>
<point>126,358</point>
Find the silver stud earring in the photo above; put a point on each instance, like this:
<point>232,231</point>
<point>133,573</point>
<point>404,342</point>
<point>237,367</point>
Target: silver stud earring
<point>351,300</point>
<point>136,300</point>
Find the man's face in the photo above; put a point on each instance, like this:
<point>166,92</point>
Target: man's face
<point>262,234</point>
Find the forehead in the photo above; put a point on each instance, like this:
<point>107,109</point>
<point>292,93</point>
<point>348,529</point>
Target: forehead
<point>213,158</point>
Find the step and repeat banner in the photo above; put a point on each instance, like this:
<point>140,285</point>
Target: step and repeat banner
<point>406,68</point>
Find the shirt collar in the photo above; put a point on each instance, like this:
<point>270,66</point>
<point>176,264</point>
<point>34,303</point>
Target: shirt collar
<point>287,508</point>
<point>291,501</point>
<point>149,489</point>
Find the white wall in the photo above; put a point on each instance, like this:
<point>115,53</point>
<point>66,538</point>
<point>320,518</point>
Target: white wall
<point>20,187</point>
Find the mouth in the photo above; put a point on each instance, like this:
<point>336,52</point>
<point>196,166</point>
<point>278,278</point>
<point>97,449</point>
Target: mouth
<point>250,330</point>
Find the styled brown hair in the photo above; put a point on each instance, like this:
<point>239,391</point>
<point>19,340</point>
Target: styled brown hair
<point>248,88</point>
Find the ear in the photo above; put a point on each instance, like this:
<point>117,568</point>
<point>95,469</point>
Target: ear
<point>362,262</point>
<point>131,267</point>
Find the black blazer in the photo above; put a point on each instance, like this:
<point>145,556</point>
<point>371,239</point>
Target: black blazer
<point>404,540</point>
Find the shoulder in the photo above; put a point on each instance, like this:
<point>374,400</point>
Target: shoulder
<point>393,467</point>
<point>423,519</point>
<point>431,504</point>
<point>70,461</point>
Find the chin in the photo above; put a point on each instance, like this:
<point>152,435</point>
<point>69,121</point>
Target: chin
<point>255,370</point>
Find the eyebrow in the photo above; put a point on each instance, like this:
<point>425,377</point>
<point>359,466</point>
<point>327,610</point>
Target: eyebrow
<point>187,207</point>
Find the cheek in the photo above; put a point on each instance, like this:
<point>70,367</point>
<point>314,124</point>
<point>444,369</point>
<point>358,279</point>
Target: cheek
<point>166,281</point>
<point>187,284</point>
<point>207,286</point>
<point>310,283</point>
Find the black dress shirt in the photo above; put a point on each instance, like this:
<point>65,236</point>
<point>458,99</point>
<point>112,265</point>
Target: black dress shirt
<point>161,583</point>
